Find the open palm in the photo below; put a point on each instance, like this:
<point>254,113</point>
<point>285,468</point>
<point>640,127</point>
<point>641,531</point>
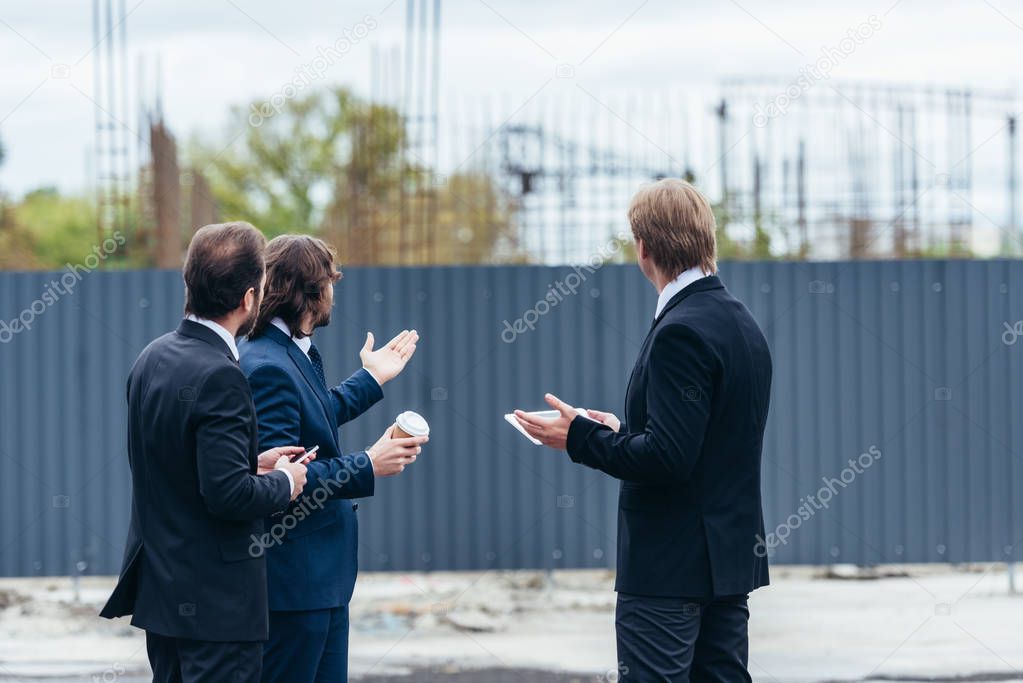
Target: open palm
<point>389,360</point>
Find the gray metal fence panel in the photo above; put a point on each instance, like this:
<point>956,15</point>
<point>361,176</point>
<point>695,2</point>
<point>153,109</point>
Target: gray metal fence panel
<point>910,359</point>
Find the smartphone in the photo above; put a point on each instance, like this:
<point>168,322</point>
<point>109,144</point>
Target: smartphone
<point>303,457</point>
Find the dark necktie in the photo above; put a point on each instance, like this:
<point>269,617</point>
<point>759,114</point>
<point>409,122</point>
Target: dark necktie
<point>317,361</point>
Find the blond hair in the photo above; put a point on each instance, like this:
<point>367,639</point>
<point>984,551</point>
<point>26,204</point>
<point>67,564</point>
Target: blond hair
<point>676,225</point>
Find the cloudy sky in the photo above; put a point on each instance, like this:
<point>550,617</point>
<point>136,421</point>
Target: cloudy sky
<point>216,53</point>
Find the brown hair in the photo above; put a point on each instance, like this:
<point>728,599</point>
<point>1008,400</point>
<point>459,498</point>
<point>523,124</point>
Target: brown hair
<point>676,225</point>
<point>299,268</point>
<point>223,262</point>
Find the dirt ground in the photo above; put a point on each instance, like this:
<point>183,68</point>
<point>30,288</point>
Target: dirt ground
<point>421,676</point>
<point>935,623</point>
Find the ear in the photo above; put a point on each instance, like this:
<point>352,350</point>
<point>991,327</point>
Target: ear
<point>249,300</point>
<point>640,249</point>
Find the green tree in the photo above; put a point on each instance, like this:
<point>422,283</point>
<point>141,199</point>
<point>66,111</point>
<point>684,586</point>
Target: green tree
<point>273,172</point>
<point>60,229</point>
<point>762,244</point>
<point>331,164</point>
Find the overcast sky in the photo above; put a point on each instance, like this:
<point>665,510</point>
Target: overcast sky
<point>216,53</point>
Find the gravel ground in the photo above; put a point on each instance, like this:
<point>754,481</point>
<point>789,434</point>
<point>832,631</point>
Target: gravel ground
<point>424,676</point>
<point>933,623</point>
<point>483,676</point>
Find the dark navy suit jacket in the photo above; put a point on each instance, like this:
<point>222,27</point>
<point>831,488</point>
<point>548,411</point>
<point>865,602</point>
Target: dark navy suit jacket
<point>312,549</point>
<point>688,453</point>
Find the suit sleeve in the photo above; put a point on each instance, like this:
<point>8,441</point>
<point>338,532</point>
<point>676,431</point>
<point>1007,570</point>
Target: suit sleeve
<point>227,484</point>
<point>355,396</point>
<point>679,392</point>
<point>278,408</point>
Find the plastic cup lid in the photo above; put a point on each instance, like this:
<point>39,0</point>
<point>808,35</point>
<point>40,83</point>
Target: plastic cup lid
<point>413,424</point>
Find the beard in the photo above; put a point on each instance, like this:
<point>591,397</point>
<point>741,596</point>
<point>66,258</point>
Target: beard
<point>322,319</point>
<point>250,323</point>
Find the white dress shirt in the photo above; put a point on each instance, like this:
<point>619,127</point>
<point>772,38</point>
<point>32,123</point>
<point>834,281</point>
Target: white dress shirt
<point>231,344</point>
<point>303,343</point>
<point>220,330</point>
<point>686,278</point>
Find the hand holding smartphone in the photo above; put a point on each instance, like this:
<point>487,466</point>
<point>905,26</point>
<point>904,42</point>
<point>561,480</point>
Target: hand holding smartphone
<point>304,458</point>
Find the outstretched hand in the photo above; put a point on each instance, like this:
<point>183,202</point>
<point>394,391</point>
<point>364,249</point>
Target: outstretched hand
<point>389,360</point>
<point>550,431</point>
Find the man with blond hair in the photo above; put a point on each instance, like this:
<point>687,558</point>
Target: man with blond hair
<point>687,454</point>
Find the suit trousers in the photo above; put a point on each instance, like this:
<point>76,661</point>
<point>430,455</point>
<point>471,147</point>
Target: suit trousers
<point>180,660</point>
<point>307,646</point>
<point>682,640</point>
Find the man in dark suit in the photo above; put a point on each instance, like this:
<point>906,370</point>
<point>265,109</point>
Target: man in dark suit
<point>688,456</point>
<point>198,499</point>
<point>312,552</point>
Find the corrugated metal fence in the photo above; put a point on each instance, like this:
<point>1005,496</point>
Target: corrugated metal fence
<point>911,363</point>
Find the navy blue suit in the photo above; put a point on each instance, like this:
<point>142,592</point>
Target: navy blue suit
<point>312,549</point>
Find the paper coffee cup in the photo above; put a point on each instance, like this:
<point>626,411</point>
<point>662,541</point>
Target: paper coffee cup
<point>410,424</point>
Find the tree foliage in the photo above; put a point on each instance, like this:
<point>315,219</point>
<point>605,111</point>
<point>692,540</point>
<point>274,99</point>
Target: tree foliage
<point>47,230</point>
<point>331,164</point>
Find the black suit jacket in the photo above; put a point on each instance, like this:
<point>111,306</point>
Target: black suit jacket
<point>688,454</point>
<point>197,504</point>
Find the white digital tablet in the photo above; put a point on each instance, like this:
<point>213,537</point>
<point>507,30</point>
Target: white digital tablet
<point>510,417</point>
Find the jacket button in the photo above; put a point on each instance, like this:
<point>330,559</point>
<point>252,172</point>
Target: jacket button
<point>355,506</point>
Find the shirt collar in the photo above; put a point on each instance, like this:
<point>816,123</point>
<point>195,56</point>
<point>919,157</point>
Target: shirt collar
<point>686,278</point>
<point>303,343</point>
<point>220,330</point>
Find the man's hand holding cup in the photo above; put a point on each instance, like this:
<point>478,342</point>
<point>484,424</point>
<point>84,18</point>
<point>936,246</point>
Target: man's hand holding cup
<point>399,445</point>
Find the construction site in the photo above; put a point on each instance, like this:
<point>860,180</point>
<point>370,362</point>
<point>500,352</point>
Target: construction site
<point>818,170</point>
<point>462,157</point>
